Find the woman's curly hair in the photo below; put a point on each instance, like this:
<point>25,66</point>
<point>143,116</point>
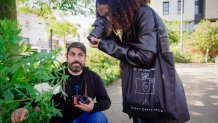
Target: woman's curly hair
<point>122,11</point>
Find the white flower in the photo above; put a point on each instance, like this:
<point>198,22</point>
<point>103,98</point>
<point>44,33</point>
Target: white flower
<point>45,87</point>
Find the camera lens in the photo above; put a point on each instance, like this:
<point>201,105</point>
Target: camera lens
<point>84,99</point>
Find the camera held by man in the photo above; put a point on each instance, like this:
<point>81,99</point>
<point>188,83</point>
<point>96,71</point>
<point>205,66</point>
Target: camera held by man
<point>78,98</point>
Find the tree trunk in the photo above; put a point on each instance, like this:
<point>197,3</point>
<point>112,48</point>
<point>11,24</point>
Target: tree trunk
<point>8,9</point>
<point>206,57</point>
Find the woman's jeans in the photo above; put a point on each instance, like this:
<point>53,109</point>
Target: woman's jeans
<point>91,117</point>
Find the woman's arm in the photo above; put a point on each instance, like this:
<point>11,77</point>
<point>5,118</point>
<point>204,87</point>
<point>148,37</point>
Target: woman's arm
<point>142,52</point>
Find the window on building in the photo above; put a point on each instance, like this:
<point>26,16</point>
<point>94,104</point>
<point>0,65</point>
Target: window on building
<point>166,8</point>
<point>179,7</point>
<point>196,7</point>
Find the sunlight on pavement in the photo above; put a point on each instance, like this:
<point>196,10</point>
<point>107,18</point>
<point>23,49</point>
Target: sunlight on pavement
<point>214,96</point>
<point>195,113</point>
<point>196,103</point>
<point>197,94</point>
<point>215,103</point>
<point>210,89</point>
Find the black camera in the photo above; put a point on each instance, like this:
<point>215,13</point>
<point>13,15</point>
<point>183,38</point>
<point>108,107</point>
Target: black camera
<point>99,27</point>
<point>78,98</point>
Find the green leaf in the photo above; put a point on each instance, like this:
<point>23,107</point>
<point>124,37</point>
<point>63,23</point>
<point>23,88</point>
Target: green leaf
<point>47,78</point>
<point>15,67</point>
<point>8,95</point>
<point>21,86</point>
<point>1,44</point>
<point>39,97</point>
<point>57,112</point>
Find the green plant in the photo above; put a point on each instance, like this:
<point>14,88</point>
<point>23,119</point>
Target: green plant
<point>194,57</point>
<point>106,66</point>
<point>179,57</point>
<point>20,71</point>
<point>205,38</point>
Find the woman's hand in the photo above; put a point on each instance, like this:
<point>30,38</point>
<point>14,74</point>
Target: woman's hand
<point>19,115</point>
<point>94,42</point>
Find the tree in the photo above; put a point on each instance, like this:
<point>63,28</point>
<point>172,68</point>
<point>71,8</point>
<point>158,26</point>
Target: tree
<point>62,28</point>
<point>205,37</point>
<point>173,31</point>
<point>173,36</point>
<point>8,9</point>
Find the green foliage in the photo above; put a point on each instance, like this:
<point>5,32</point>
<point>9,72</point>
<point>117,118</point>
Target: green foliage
<point>106,66</point>
<point>62,28</point>
<point>205,36</point>
<point>173,31</point>
<point>59,28</point>
<point>194,57</point>
<point>179,57</point>
<point>187,57</point>
<point>20,70</point>
<point>45,11</point>
<point>85,7</point>
<point>173,36</point>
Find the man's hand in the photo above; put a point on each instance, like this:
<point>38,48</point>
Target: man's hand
<point>86,107</point>
<point>19,115</point>
<point>94,42</point>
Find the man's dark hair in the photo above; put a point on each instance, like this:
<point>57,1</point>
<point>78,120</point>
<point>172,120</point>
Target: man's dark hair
<point>76,45</point>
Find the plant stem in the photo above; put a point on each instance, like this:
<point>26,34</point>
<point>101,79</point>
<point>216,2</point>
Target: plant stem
<point>20,100</point>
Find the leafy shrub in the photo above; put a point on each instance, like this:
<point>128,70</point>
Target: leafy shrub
<point>106,66</point>
<point>187,56</point>
<point>205,37</point>
<point>195,57</point>
<point>173,36</point>
<point>179,57</point>
<point>20,70</point>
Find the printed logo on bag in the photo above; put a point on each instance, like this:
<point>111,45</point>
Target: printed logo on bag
<point>145,85</point>
<point>145,75</point>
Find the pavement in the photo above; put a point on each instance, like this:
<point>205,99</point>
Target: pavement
<point>200,82</point>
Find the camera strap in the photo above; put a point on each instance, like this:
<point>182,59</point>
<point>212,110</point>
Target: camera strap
<point>64,89</point>
<point>86,87</point>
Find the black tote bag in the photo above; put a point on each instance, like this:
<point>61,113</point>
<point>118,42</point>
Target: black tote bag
<point>156,92</point>
<point>151,92</point>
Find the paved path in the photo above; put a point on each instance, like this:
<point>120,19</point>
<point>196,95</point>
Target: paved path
<point>201,87</point>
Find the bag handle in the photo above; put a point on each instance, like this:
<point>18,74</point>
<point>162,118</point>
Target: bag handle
<point>162,46</point>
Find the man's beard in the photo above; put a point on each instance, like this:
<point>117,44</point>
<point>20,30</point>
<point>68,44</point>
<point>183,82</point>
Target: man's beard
<point>76,69</point>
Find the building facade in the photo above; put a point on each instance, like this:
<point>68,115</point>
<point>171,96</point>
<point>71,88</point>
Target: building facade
<point>193,11</point>
<point>34,31</point>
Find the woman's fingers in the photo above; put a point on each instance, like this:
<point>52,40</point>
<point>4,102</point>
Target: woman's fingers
<point>19,115</point>
<point>23,114</point>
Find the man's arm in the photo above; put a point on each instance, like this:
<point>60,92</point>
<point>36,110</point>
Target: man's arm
<point>102,98</point>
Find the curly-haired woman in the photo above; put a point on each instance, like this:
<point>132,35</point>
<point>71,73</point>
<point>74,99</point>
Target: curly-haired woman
<point>130,37</point>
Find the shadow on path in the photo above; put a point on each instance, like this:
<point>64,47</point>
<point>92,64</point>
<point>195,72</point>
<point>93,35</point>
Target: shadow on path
<point>201,88</point>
